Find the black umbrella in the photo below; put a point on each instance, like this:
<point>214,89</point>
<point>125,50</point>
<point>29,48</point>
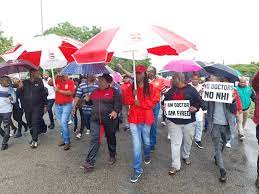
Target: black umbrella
<point>222,71</point>
<point>15,66</point>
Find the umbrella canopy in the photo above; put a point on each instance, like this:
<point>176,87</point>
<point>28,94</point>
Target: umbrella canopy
<point>15,66</point>
<point>49,51</point>
<point>182,66</point>
<point>85,69</point>
<point>202,64</point>
<point>116,41</point>
<point>223,71</point>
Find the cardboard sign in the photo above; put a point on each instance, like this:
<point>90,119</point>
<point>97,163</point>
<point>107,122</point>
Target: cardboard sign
<point>177,109</point>
<point>218,92</point>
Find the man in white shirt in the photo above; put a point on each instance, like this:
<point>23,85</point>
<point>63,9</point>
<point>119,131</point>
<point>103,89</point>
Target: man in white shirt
<point>198,115</point>
<point>51,98</point>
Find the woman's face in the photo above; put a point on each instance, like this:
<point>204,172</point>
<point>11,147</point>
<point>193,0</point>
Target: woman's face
<point>140,77</point>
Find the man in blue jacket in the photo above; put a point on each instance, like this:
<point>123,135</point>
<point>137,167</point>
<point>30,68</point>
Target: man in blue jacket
<point>247,95</point>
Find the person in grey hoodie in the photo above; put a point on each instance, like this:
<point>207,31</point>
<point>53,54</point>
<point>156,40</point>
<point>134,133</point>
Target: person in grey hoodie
<point>221,119</point>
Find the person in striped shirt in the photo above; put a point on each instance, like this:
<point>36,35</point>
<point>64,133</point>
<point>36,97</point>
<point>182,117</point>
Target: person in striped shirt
<point>85,89</point>
<point>7,98</point>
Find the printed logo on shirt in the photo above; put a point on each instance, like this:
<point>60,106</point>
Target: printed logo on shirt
<point>37,85</point>
<point>66,86</point>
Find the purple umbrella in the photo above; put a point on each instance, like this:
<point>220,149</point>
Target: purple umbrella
<point>15,66</point>
<point>183,66</point>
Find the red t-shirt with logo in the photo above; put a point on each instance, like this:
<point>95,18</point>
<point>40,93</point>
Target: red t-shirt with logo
<point>67,85</point>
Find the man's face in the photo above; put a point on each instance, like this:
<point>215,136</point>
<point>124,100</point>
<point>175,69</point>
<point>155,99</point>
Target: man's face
<point>35,74</point>
<point>195,80</point>
<point>140,76</point>
<point>126,79</point>
<point>243,83</point>
<point>103,84</point>
<point>45,76</point>
<point>151,74</point>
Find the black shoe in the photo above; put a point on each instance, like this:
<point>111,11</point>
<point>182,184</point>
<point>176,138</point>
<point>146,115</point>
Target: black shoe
<point>223,175</point>
<point>257,182</point>
<point>4,147</point>
<point>26,128</point>
<point>152,149</point>
<point>51,126</point>
<point>18,135</point>
<point>126,129</point>
<point>199,144</point>
<point>216,163</point>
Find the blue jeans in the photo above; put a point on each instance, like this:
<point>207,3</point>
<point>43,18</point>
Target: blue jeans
<point>63,113</point>
<point>153,130</point>
<point>87,118</point>
<point>140,132</point>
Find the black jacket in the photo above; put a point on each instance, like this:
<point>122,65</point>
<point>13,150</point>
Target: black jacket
<point>33,94</point>
<point>186,93</point>
<point>104,102</point>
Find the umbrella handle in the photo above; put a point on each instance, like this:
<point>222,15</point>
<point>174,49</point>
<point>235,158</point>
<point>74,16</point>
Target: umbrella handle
<point>134,74</point>
<point>53,77</point>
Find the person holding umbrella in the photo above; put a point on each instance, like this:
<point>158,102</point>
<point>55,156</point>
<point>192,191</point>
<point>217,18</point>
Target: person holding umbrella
<point>35,103</point>
<point>106,105</point>
<point>141,101</point>
<point>65,89</point>
<point>181,130</point>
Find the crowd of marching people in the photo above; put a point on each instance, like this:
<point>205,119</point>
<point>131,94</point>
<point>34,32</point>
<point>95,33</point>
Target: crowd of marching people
<point>103,104</point>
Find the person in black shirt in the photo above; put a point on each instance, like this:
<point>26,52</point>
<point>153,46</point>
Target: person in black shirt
<point>34,98</point>
<point>181,130</point>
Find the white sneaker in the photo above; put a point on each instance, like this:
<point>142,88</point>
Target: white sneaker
<point>228,145</point>
<point>163,123</point>
<point>87,131</point>
<point>70,122</point>
<point>168,137</point>
<point>79,135</point>
<point>11,133</point>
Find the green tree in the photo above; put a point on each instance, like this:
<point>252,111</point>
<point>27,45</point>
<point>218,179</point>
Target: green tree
<point>5,44</point>
<point>82,34</point>
<point>246,69</point>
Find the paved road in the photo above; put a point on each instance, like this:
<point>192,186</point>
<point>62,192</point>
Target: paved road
<point>49,169</point>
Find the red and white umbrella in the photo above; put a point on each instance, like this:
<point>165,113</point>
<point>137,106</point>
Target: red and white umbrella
<point>49,51</point>
<point>122,41</point>
<point>132,43</point>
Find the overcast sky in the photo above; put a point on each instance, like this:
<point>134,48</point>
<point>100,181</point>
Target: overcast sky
<point>222,29</point>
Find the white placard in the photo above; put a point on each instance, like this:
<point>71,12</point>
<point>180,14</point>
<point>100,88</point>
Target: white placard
<point>177,109</point>
<point>218,92</point>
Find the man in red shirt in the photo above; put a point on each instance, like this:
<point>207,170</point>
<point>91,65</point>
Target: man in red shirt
<point>65,89</point>
<point>159,86</point>
<point>125,108</point>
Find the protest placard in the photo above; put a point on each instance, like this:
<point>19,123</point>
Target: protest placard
<point>177,109</point>
<point>218,92</point>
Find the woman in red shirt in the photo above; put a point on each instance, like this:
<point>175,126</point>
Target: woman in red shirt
<point>141,117</point>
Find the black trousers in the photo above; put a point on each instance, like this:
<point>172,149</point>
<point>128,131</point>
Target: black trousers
<point>50,106</point>
<point>33,116</point>
<point>5,118</point>
<point>110,127</point>
<point>17,115</point>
